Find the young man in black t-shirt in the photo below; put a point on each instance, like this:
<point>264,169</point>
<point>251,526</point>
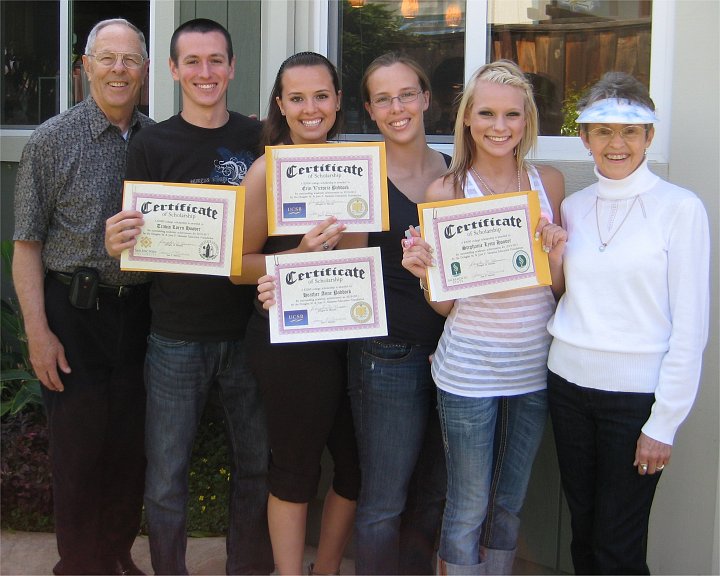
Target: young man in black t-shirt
<point>198,322</point>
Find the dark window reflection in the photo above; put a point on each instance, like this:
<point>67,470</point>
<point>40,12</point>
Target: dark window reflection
<point>30,39</point>
<point>31,67</point>
<point>565,46</point>
<point>430,31</point>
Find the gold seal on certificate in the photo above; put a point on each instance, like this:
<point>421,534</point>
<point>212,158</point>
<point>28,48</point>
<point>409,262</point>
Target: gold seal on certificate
<point>189,228</point>
<point>311,182</point>
<point>484,245</point>
<point>327,295</point>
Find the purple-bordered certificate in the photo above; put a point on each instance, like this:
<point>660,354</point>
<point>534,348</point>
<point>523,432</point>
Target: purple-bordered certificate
<point>189,228</point>
<point>306,184</point>
<point>327,295</point>
<point>483,245</point>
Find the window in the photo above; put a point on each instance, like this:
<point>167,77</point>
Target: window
<point>563,45</point>
<point>30,40</point>
<point>43,42</point>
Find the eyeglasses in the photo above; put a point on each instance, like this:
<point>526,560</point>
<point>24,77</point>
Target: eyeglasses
<point>630,133</point>
<point>108,59</point>
<point>386,101</point>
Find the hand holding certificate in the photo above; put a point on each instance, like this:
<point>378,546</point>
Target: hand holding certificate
<point>483,245</point>
<point>327,295</point>
<point>189,228</point>
<point>311,182</point>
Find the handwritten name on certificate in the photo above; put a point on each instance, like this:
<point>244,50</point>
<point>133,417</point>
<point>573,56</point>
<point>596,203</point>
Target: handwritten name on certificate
<point>189,228</point>
<point>309,183</point>
<point>327,295</point>
<point>484,245</point>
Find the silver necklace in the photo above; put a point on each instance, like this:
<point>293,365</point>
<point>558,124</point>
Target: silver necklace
<point>604,243</point>
<point>488,187</point>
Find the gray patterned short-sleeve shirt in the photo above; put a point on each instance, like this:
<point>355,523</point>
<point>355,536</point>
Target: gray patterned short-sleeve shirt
<point>69,182</point>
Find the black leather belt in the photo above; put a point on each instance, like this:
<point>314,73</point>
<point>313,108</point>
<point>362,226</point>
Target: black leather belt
<point>107,289</point>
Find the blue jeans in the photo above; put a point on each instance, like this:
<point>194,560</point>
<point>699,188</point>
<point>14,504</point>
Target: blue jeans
<point>178,377</point>
<point>403,477</point>
<point>490,446</point>
<point>596,434</point>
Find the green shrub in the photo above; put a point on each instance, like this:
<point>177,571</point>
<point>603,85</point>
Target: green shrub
<point>209,476</point>
<point>25,479</point>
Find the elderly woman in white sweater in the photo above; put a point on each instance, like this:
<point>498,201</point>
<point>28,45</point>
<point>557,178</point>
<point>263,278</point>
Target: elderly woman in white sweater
<point>629,331</point>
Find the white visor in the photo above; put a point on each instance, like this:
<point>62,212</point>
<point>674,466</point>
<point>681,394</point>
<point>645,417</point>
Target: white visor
<point>616,111</point>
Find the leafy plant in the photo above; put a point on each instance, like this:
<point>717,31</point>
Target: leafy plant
<point>19,388</point>
<point>570,113</point>
<point>209,476</point>
<point>25,477</point>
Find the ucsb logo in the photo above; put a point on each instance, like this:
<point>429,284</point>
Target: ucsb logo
<point>296,318</point>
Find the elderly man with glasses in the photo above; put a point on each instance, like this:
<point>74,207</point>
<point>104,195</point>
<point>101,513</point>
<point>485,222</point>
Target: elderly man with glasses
<point>86,321</point>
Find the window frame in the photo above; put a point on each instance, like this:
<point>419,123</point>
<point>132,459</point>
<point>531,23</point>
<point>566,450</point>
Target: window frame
<point>567,148</point>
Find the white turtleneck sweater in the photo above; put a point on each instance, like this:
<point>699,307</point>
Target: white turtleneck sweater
<point>634,317</point>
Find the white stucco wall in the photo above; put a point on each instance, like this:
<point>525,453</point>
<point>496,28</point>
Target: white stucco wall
<point>684,523</point>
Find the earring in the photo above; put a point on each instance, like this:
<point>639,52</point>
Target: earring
<point>589,153</point>
<point>645,152</point>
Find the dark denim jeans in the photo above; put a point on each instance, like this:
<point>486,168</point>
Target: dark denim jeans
<point>403,482</point>
<point>178,378</point>
<point>596,434</point>
<point>490,446</point>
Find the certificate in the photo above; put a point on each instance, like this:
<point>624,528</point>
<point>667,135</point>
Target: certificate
<point>484,245</point>
<point>327,295</point>
<point>307,184</point>
<point>189,228</point>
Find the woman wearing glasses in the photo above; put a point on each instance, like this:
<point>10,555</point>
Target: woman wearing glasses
<point>391,389</point>
<point>490,363</point>
<point>628,333</point>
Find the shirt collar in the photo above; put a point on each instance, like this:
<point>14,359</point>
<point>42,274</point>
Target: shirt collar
<point>99,122</point>
<point>641,180</point>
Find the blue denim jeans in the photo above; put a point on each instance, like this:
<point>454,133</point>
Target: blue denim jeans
<point>403,477</point>
<point>490,446</point>
<point>596,434</point>
<point>178,377</point>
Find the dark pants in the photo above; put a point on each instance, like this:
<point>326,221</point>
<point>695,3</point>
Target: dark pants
<point>596,433</point>
<point>96,428</point>
<point>304,390</point>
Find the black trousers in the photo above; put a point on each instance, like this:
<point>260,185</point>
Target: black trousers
<point>97,428</point>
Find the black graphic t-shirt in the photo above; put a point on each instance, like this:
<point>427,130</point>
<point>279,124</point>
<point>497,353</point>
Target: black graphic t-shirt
<point>188,306</point>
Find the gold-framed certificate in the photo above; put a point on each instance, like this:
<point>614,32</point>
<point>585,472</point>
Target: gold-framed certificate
<point>483,245</point>
<point>189,228</point>
<point>327,295</point>
<point>308,183</point>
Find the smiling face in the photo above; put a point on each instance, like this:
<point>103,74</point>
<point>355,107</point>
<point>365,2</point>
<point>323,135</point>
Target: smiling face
<point>398,122</point>
<point>115,89</point>
<point>309,103</point>
<point>203,70</point>
<point>615,157</point>
<point>496,118</point>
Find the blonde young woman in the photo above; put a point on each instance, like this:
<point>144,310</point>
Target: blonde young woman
<point>490,363</point>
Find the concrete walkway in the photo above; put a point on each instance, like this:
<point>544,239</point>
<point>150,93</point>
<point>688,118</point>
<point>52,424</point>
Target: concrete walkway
<point>35,553</point>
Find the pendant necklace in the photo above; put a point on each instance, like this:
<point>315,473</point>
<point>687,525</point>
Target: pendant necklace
<point>604,243</point>
<point>488,187</point>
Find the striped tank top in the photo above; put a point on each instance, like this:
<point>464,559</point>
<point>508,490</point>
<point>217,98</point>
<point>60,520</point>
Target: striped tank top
<point>497,344</point>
